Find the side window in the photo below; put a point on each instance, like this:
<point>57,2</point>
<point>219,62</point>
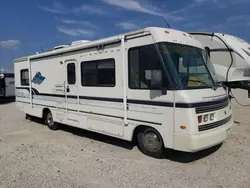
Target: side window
<point>145,69</point>
<point>71,73</point>
<point>24,77</point>
<point>99,73</point>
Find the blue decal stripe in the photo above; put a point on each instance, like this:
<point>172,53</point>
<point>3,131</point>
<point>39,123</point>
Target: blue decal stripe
<point>142,102</point>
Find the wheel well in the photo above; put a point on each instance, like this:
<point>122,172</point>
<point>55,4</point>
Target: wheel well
<point>45,110</point>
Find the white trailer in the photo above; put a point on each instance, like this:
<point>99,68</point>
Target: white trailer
<point>7,85</point>
<point>153,85</point>
<point>230,56</point>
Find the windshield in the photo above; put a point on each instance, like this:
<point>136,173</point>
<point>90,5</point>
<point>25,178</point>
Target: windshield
<point>190,66</point>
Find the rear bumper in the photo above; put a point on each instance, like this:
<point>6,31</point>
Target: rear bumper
<point>204,140</point>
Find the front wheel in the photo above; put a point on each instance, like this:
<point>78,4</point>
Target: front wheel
<point>150,143</point>
<point>49,121</point>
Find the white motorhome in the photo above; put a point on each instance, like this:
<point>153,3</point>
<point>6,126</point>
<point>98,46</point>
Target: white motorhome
<point>230,56</point>
<point>152,85</point>
<point>7,85</point>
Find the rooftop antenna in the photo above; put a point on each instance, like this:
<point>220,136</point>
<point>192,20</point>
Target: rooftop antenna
<point>166,22</point>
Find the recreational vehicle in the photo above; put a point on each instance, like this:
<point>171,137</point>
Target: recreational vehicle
<point>7,85</point>
<point>152,85</point>
<point>230,56</point>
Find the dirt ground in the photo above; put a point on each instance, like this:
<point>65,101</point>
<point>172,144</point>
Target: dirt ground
<point>33,156</point>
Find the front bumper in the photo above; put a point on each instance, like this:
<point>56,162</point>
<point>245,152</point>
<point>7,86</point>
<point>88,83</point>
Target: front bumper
<point>204,140</point>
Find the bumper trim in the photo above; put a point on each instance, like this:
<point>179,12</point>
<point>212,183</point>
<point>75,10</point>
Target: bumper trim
<point>215,124</point>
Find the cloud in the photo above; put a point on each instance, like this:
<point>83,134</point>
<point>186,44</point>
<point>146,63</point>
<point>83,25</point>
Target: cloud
<point>205,1</point>
<point>132,5</point>
<point>192,25</point>
<point>77,22</point>
<point>127,26</point>
<point>89,9</point>
<point>10,44</point>
<point>190,6</point>
<point>240,1</point>
<point>215,28</point>
<point>219,28</point>
<point>238,20</point>
<point>75,31</point>
<point>199,1</point>
<point>57,8</point>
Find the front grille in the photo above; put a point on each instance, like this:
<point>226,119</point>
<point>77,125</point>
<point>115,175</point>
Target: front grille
<point>212,107</point>
<point>215,124</point>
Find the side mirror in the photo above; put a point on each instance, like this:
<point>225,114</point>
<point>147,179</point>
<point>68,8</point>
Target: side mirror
<point>156,79</point>
<point>1,76</point>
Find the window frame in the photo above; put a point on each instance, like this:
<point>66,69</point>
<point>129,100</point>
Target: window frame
<point>21,80</point>
<point>129,66</point>
<point>96,69</point>
<point>68,73</point>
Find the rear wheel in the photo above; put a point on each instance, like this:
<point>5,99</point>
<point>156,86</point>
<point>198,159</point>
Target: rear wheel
<point>49,121</point>
<point>150,142</point>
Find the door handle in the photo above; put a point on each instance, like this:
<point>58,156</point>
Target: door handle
<point>68,89</point>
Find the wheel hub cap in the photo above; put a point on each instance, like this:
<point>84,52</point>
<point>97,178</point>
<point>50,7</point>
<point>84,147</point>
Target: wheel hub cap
<point>50,119</point>
<point>151,141</point>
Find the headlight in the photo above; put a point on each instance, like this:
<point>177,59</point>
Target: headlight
<point>211,117</point>
<point>205,118</point>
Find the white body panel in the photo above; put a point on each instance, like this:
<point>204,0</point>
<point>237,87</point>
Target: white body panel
<point>221,58</point>
<point>101,109</point>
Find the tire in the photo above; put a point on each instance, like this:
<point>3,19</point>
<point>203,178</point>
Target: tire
<point>49,121</point>
<point>150,143</point>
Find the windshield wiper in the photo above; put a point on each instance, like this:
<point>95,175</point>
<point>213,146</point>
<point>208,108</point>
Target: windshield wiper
<point>200,81</point>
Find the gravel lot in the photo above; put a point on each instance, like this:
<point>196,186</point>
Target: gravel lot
<point>33,156</point>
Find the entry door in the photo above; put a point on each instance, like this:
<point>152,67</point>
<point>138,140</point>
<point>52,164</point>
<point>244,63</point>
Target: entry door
<point>71,89</point>
<point>10,87</point>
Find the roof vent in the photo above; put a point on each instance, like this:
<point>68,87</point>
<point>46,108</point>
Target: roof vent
<point>78,42</point>
<point>57,47</point>
<point>61,46</point>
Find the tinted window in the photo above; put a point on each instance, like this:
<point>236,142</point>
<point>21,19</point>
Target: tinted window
<point>25,77</point>
<point>2,86</point>
<point>98,73</point>
<point>145,69</point>
<point>71,73</point>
